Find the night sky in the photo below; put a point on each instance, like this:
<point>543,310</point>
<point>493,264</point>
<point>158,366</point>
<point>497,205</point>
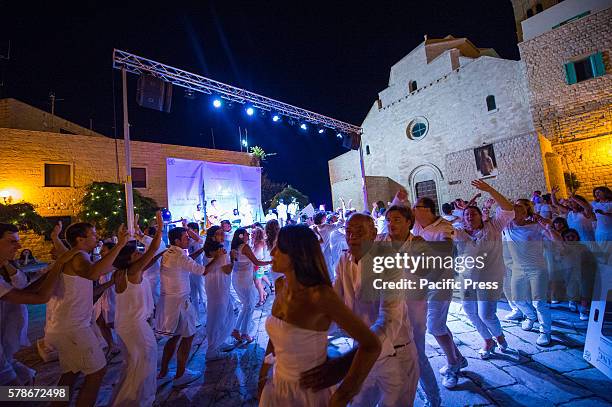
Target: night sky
<point>330,59</point>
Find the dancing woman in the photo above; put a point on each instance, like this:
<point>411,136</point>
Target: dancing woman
<point>304,308</point>
<point>242,279</point>
<point>272,229</point>
<point>220,318</point>
<point>134,306</point>
<point>477,238</point>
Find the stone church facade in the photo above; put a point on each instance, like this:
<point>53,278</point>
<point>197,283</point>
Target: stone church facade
<point>448,100</point>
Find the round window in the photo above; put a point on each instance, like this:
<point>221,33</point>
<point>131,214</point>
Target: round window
<point>417,128</point>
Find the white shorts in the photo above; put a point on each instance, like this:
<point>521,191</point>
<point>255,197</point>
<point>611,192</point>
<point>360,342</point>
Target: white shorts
<point>78,351</point>
<point>175,315</point>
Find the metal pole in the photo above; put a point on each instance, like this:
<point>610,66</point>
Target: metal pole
<point>129,198</point>
<point>364,189</point>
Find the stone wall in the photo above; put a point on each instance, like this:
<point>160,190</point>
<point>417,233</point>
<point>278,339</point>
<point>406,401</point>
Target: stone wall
<point>566,113</point>
<point>520,166</point>
<point>37,244</point>
<point>25,152</point>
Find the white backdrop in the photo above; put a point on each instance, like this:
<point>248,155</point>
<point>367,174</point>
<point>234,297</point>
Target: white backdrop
<point>191,182</point>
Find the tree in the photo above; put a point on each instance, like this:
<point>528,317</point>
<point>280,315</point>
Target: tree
<point>287,196</point>
<point>104,205</point>
<point>571,182</point>
<point>24,217</point>
<point>269,189</point>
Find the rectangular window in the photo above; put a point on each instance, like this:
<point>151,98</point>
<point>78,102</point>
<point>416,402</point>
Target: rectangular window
<point>139,177</point>
<point>58,175</point>
<point>585,68</point>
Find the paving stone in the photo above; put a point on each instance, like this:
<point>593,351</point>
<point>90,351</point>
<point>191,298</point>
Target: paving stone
<point>587,402</point>
<point>560,360</point>
<point>546,383</point>
<point>487,375</point>
<point>457,327</point>
<point>517,395</point>
<point>532,336</point>
<point>593,380</point>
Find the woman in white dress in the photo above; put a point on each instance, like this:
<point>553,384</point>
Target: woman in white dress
<point>298,339</point>
<point>134,306</point>
<point>602,208</point>
<point>242,279</point>
<point>272,229</point>
<point>220,317</point>
<point>579,215</point>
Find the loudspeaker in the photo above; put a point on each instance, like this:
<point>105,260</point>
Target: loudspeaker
<point>154,93</point>
<point>351,141</point>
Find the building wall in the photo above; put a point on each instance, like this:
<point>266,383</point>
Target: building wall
<point>24,153</point>
<point>456,111</point>
<point>519,162</point>
<point>15,114</point>
<point>520,8</point>
<point>582,111</point>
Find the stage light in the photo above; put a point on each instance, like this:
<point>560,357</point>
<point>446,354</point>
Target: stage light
<point>321,131</point>
<point>339,135</point>
<point>250,111</point>
<point>244,143</point>
<point>217,103</point>
<point>303,126</point>
<point>276,118</point>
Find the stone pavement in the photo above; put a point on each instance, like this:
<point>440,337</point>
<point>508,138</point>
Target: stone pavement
<point>531,376</point>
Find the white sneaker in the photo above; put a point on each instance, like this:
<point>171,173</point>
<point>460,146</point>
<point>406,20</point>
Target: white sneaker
<point>449,377</point>
<point>527,324</point>
<point>187,377</point>
<point>543,339</point>
<point>584,316</point>
<point>163,380</point>
<point>514,315</point>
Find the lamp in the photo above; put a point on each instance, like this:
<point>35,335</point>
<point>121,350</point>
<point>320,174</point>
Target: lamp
<point>6,196</point>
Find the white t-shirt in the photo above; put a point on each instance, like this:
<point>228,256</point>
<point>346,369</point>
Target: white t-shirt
<point>604,222</point>
<point>438,231</point>
<point>526,245</point>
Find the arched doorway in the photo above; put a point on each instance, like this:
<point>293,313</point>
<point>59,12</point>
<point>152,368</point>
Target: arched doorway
<point>424,181</point>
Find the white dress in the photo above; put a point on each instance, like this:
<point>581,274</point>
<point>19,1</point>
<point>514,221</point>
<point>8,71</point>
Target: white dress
<point>296,350</point>
<point>242,279</point>
<point>138,383</point>
<point>220,318</point>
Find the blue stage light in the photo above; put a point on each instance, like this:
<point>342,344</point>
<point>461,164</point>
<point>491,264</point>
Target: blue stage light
<point>244,143</point>
<point>217,103</point>
<point>339,135</point>
<point>303,126</point>
<point>321,131</point>
<point>275,118</point>
<point>250,111</point>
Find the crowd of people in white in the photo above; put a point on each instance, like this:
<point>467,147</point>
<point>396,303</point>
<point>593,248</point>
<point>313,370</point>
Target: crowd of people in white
<point>123,296</point>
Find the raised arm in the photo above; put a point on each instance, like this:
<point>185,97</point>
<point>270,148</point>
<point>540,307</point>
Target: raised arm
<point>93,271</point>
<point>588,209</point>
<point>553,196</point>
<point>140,264</point>
<point>59,246</point>
<point>367,352</point>
<point>501,200</point>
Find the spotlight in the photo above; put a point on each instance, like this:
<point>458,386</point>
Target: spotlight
<point>303,126</point>
<point>244,143</point>
<point>250,111</point>
<point>321,131</point>
<point>339,135</point>
<point>217,103</point>
<point>276,118</point>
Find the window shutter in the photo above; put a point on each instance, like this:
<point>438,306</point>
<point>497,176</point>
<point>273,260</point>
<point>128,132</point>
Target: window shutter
<point>597,64</point>
<point>570,73</point>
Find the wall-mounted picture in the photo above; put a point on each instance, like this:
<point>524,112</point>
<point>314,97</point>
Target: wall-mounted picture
<point>486,165</point>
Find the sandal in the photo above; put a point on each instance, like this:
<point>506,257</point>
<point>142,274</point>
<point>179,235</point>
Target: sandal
<point>236,335</point>
<point>246,339</point>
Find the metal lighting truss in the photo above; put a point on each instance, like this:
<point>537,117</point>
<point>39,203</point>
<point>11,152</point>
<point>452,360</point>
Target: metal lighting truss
<point>138,65</point>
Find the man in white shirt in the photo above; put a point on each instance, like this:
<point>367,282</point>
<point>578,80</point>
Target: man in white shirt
<point>393,380</point>
<point>433,228</point>
<point>271,215</point>
<point>69,329</point>
<point>176,315</point>
<point>281,210</point>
